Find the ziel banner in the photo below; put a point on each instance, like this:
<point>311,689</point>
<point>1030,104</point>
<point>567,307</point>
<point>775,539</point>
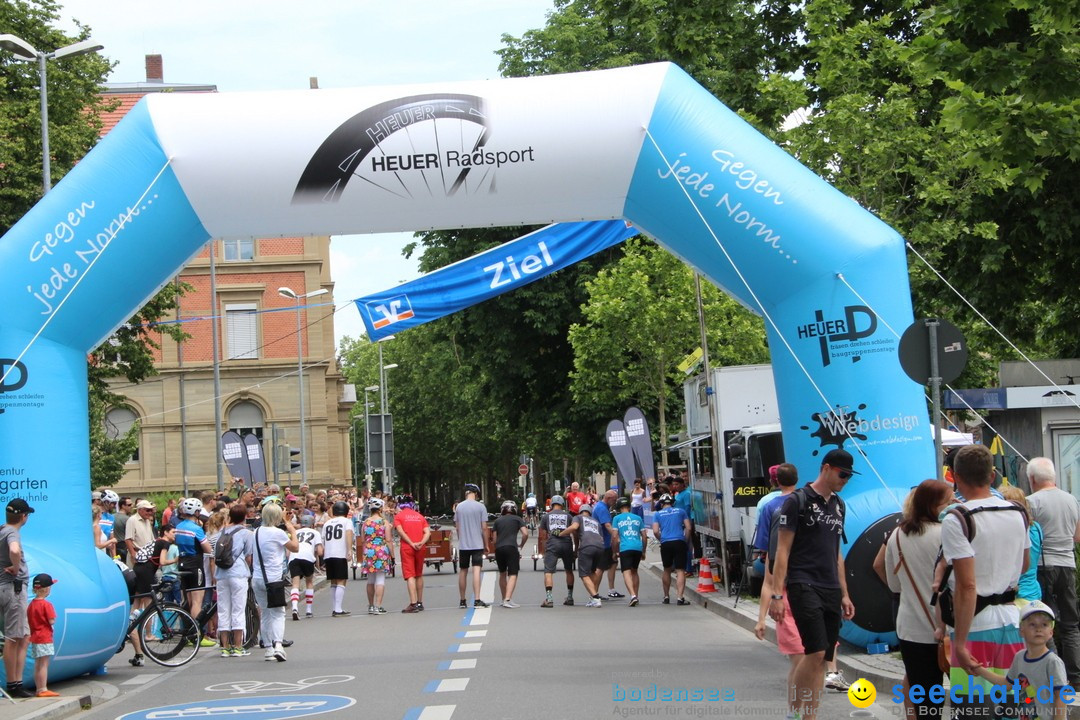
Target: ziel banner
<point>471,281</point>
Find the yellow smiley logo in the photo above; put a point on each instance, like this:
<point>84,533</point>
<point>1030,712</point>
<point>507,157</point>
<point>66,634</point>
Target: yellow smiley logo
<point>862,693</point>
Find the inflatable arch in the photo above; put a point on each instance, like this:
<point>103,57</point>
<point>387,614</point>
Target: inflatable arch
<point>646,144</point>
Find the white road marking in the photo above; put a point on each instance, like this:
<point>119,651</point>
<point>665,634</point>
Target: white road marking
<point>466,647</point>
<point>468,664</point>
<point>447,685</point>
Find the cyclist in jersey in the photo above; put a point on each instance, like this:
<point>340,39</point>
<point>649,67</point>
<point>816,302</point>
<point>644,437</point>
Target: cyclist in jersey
<point>302,566</point>
<point>338,545</point>
<point>558,545</point>
<point>531,510</point>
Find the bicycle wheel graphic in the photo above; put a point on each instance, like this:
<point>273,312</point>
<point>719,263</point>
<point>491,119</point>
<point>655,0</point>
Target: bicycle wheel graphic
<point>416,146</point>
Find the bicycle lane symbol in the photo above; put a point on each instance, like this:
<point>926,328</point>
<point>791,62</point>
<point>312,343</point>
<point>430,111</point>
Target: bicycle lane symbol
<point>250,687</point>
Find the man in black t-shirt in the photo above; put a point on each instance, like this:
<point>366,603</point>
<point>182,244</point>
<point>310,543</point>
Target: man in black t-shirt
<point>504,535</point>
<point>810,567</point>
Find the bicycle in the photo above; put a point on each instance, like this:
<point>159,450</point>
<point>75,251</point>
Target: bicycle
<point>168,634</point>
<point>251,615</point>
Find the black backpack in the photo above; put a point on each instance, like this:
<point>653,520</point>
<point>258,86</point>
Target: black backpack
<point>802,500</point>
<point>944,596</point>
<point>223,551</point>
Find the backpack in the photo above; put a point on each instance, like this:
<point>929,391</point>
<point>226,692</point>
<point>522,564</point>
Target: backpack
<point>145,553</point>
<point>801,500</point>
<point>223,551</point>
<point>944,596</point>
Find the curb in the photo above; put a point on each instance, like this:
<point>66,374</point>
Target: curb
<point>714,602</point>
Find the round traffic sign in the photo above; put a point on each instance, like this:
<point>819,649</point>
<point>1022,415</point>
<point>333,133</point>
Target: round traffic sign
<point>523,469</point>
<point>914,351</point>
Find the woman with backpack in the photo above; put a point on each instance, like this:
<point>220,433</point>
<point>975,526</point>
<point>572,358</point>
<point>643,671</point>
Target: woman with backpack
<point>233,549</point>
<point>910,555</point>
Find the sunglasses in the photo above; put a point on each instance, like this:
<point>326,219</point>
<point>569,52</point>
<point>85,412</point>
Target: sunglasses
<point>844,474</point>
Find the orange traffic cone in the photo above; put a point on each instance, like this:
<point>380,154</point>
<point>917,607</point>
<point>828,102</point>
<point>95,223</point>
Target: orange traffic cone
<point>705,581</point>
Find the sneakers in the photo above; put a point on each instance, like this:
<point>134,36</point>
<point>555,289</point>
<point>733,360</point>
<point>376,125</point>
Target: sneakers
<point>240,652</point>
<point>683,601</point>
<point>463,604</point>
<point>836,681</point>
<point>308,615</point>
<point>207,642</point>
<point>547,603</point>
<point>18,691</point>
<point>340,613</point>
<point>615,594</point>
<point>47,693</point>
<point>593,602</point>
<point>380,610</point>
<point>268,656</point>
<point>666,600</point>
<point>279,652</point>
<point>509,604</point>
<point>479,603</point>
<point>633,600</point>
<point>370,609</point>
<point>569,600</point>
<point>226,653</point>
<point>420,607</point>
<point>411,608</point>
<point>137,661</point>
<point>295,615</point>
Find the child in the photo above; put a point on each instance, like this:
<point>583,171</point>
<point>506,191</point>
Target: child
<point>41,616</point>
<point>167,554</point>
<point>1037,667</point>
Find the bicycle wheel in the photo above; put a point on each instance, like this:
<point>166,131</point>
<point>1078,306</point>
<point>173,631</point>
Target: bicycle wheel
<point>169,635</point>
<point>251,621</point>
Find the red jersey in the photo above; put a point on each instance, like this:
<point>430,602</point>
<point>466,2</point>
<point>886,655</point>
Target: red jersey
<point>40,614</point>
<point>411,523</point>
<point>574,501</point>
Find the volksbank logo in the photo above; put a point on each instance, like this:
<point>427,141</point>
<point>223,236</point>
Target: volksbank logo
<point>389,311</point>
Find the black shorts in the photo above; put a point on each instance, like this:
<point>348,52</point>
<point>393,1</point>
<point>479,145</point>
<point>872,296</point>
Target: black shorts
<point>508,558</point>
<point>588,559</point>
<point>470,558</point>
<point>630,559</point>
<point>145,574</point>
<point>552,557</point>
<point>673,554</point>
<point>336,568</point>
<point>816,611</point>
<point>607,559</point>
<point>301,568</point>
<point>190,571</point>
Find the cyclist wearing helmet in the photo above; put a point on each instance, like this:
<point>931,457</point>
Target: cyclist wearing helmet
<point>672,526</point>
<point>630,541</point>
<point>109,500</point>
<point>302,566</point>
<point>531,509</point>
<point>414,532</point>
<point>503,536</point>
<point>338,544</point>
<point>590,539</point>
<point>470,518</point>
<point>192,544</point>
<point>558,545</point>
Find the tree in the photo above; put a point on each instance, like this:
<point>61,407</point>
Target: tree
<point>640,321</point>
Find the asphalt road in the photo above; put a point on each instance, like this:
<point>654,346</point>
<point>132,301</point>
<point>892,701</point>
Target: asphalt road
<point>564,662</point>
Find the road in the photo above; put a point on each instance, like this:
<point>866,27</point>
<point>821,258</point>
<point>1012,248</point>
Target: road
<point>530,662</point>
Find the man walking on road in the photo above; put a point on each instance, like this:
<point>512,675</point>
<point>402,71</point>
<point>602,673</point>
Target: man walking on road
<point>810,568</point>
<point>558,545</point>
<point>414,531</point>
<point>14,579</point>
<point>590,543</point>
<point>1058,512</point>
<point>470,518</point>
<point>608,562</point>
<point>672,526</point>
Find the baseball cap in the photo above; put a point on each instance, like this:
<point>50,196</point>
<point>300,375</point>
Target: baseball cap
<point>43,580</point>
<point>840,459</point>
<point>773,470</point>
<point>1036,606</point>
<point>144,505</point>
<point>18,505</point>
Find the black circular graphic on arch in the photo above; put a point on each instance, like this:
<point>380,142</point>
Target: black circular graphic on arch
<point>340,155</point>
<point>872,600</point>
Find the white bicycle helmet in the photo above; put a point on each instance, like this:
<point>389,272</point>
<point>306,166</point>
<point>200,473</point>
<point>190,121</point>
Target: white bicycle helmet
<point>509,506</point>
<point>110,497</point>
<point>190,506</point>
<point>375,504</point>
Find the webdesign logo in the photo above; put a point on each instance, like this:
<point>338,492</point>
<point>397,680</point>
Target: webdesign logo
<point>838,426</point>
<point>389,311</point>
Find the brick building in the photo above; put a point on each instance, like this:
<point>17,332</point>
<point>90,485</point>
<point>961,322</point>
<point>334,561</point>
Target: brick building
<point>257,356</point>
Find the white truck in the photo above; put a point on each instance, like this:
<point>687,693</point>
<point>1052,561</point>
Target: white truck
<point>748,426</point>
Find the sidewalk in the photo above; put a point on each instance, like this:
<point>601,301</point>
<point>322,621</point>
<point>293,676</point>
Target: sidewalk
<point>883,670</point>
<point>75,695</point>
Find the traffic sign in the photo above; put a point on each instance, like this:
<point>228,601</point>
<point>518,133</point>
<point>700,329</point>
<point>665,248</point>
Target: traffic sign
<point>263,707</point>
<point>523,469</point>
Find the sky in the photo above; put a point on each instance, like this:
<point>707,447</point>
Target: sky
<point>243,45</point>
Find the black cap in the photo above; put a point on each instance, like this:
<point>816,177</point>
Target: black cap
<point>43,580</point>
<point>840,459</point>
<point>18,505</point>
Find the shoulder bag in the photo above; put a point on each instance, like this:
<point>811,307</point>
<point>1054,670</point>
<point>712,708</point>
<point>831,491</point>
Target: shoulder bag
<point>942,651</point>
<point>275,591</point>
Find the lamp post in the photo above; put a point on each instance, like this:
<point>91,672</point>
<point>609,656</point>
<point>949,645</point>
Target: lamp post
<point>383,401</point>
<point>25,51</point>
<point>367,445</point>
<point>289,293</point>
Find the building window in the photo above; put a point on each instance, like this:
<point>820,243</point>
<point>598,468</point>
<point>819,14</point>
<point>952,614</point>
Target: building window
<point>241,331</point>
<point>118,421</point>
<point>239,249</point>
<point>246,418</point>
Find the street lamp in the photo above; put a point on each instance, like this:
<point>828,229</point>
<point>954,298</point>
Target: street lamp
<point>383,400</point>
<point>25,51</point>
<point>289,293</point>
<point>367,436</point>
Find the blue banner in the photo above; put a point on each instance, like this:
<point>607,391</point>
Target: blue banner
<point>501,269</point>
